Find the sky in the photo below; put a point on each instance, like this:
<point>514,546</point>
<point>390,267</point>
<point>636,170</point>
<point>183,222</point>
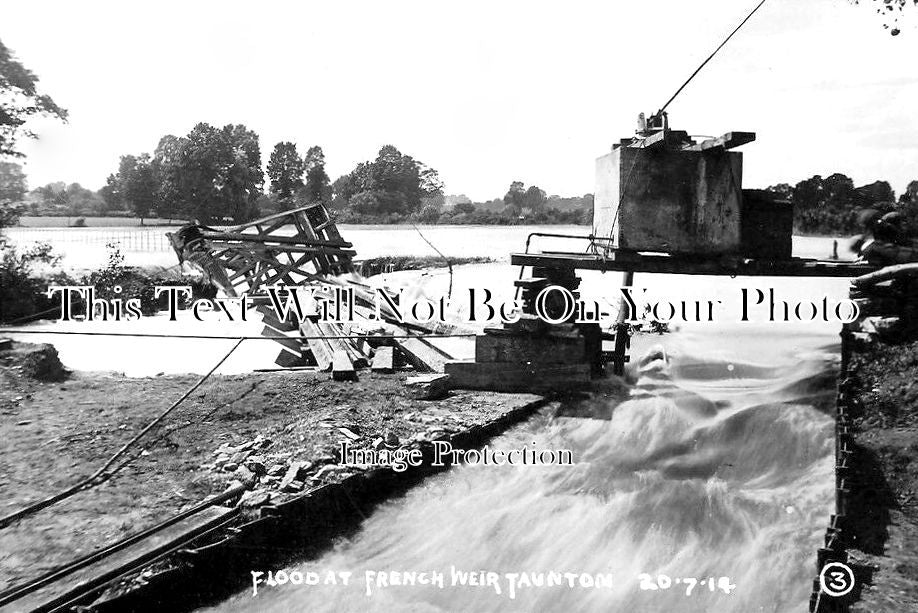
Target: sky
<point>486,92</point>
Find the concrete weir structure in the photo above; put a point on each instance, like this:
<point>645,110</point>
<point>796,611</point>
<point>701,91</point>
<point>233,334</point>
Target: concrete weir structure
<point>670,195</point>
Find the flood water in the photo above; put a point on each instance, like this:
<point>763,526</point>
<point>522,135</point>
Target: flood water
<point>714,462</point>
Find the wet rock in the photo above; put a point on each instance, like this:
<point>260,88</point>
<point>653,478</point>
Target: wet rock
<point>291,475</point>
<point>254,498</point>
<point>435,433</point>
<point>293,487</point>
<point>330,472</point>
<point>246,476</point>
<point>240,457</point>
<point>428,387</point>
<point>256,464</point>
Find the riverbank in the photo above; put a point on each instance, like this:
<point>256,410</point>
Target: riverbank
<point>884,509</point>
<point>277,433</point>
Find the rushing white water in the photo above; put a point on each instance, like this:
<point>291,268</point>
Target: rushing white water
<point>703,468</point>
<point>716,462</point>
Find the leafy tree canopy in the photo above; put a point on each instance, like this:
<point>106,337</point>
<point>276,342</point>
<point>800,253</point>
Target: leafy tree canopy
<point>393,185</point>
<point>20,100</point>
<point>285,170</point>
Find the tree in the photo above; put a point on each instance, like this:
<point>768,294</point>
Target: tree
<point>210,174</point>
<point>317,188</point>
<point>783,190</point>
<point>534,199</point>
<point>243,178</point>
<point>888,9</point>
<point>167,169</point>
<point>466,208</point>
<point>285,170</point>
<point>393,186</point>
<point>12,182</point>
<point>136,184</point>
<point>20,100</point>
<point>515,197</point>
<point>873,193</point>
<point>910,195</point>
<point>107,193</point>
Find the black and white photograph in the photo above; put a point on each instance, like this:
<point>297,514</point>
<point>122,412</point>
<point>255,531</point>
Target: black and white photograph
<point>435,307</point>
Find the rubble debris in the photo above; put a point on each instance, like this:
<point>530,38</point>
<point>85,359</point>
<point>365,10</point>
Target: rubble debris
<point>349,433</point>
<point>428,387</point>
<point>887,301</point>
<point>254,498</point>
<point>36,361</point>
<point>290,477</point>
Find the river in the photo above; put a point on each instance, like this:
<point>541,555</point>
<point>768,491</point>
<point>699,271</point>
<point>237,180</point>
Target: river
<point>716,463</point>
<point>713,464</point>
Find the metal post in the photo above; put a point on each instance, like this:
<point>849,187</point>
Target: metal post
<point>622,338</point>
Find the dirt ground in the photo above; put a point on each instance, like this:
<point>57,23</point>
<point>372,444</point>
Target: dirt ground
<point>886,394</point>
<point>52,434</point>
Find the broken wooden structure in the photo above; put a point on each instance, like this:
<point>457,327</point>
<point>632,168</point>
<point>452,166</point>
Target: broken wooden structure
<point>303,247</point>
<point>887,301</point>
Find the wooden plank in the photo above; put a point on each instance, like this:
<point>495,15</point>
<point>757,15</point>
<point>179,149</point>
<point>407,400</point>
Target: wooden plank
<point>289,359</point>
<point>330,331</point>
<point>727,141</point>
<point>320,348</point>
<point>423,356</point>
<point>714,265</point>
<point>663,138</point>
<point>383,360</point>
<point>898,271</point>
<point>280,240</point>
<point>269,318</point>
<point>342,368</point>
<point>130,558</point>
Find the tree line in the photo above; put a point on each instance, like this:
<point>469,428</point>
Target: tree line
<point>830,205</point>
<point>213,175</point>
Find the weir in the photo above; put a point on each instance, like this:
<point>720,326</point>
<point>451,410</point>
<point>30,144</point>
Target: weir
<point>664,203</point>
<point>708,225</point>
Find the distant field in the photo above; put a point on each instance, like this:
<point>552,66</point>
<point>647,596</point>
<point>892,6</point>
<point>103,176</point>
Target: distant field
<point>31,221</point>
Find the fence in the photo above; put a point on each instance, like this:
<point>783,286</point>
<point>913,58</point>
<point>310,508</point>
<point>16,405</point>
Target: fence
<point>129,239</point>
